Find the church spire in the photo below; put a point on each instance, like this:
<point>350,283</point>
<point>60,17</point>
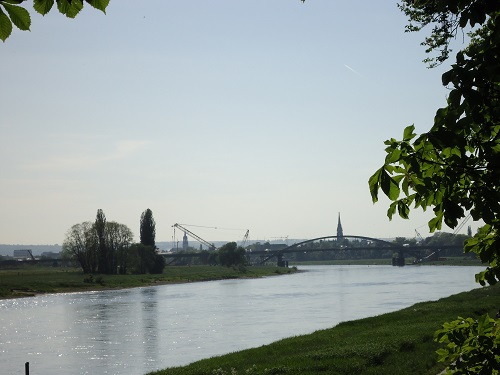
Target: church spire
<point>340,233</point>
<point>185,241</point>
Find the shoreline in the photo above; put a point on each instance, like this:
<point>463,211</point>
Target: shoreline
<point>14,283</point>
<point>72,280</point>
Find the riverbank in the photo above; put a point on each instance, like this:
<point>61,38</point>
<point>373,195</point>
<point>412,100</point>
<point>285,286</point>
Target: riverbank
<point>27,280</point>
<point>396,343</point>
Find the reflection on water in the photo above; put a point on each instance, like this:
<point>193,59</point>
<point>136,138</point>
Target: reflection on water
<point>133,331</point>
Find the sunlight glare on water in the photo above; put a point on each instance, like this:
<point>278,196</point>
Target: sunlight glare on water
<point>133,331</point>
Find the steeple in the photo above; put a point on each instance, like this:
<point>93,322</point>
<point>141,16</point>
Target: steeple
<point>340,233</point>
<point>185,241</point>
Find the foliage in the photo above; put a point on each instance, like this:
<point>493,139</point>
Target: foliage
<point>472,345</point>
<point>455,166</point>
<point>12,13</point>
<point>446,17</point>
<point>118,239</point>
<point>104,259</point>
<point>80,244</point>
<point>144,259</point>
<point>148,228</point>
<point>444,238</point>
<point>99,247</point>
<point>231,255</point>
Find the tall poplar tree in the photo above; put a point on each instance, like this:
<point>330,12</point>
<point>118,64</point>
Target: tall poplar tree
<point>102,250</point>
<point>148,229</point>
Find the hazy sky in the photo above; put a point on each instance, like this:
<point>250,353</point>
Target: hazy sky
<point>260,115</point>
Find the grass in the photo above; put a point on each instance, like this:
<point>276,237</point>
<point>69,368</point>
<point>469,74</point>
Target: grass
<point>391,344</point>
<point>28,280</point>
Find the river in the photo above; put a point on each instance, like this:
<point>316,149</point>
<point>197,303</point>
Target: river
<point>133,331</point>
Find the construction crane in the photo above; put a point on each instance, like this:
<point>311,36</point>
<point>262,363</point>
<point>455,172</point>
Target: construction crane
<point>245,238</point>
<point>210,246</point>
<point>457,229</point>
<point>420,239</point>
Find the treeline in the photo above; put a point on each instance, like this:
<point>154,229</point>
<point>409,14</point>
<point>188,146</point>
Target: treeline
<point>229,255</point>
<point>106,247</point>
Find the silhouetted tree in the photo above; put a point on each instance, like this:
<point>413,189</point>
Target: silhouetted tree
<point>231,255</point>
<point>144,259</point>
<point>103,254</point>
<point>148,229</point>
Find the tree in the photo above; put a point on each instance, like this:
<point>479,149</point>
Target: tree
<point>12,13</point>
<point>144,259</point>
<point>83,245</point>
<point>104,258</point>
<point>148,228</point>
<point>455,166</point>
<point>231,255</point>
<point>118,239</point>
<point>80,244</point>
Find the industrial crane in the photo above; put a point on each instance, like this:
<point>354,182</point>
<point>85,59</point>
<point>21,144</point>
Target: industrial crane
<point>210,246</point>
<point>420,239</point>
<point>245,238</point>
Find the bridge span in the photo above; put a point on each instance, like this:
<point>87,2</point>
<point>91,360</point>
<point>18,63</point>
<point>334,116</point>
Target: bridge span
<point>344,243</point>
<point>363,243</point>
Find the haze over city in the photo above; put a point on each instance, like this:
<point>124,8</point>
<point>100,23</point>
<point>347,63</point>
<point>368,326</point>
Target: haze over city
<point>259,115</point>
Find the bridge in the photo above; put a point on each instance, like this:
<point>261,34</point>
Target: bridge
<point>363,243</point>
<point>337,244</point>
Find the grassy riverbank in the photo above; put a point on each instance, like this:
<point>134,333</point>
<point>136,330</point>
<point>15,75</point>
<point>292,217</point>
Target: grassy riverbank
<point>28,280</point>
<point>397,343</point>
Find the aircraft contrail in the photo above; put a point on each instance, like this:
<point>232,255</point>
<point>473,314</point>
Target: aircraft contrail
<point>352,70</point>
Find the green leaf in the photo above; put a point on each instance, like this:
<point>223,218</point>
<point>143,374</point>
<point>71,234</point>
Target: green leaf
<point>63,6</point>
<point>99,4</point>
<point>70,8</point>
<point>403,210</point>
<point>392,210</point>
<point>405,187</point>
<point>43,6</point>
<point>440,116</point>
<point>373,184</point>
<point>408,133</point>
<point>454,98</point>
<point>5,26</point>
<point>19,16</point>
<point>436,222</point>
<point>447,77</point>
<point>393,156</point>
<point>389,186</point>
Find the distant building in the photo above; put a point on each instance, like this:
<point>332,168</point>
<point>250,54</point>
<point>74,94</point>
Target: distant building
<point>50,255</point>
<point>184,242</point>
<point>23,254</point>
<point>340,232</point>
<point>277,246</point>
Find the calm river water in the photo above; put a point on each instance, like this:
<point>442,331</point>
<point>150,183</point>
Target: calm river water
<point>134,331</point>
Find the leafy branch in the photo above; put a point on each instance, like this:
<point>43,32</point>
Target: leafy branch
<point>12,13</point>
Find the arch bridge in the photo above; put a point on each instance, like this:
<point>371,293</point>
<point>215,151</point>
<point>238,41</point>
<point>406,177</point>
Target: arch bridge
<point>364,243</point>
<point>327,244</point>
